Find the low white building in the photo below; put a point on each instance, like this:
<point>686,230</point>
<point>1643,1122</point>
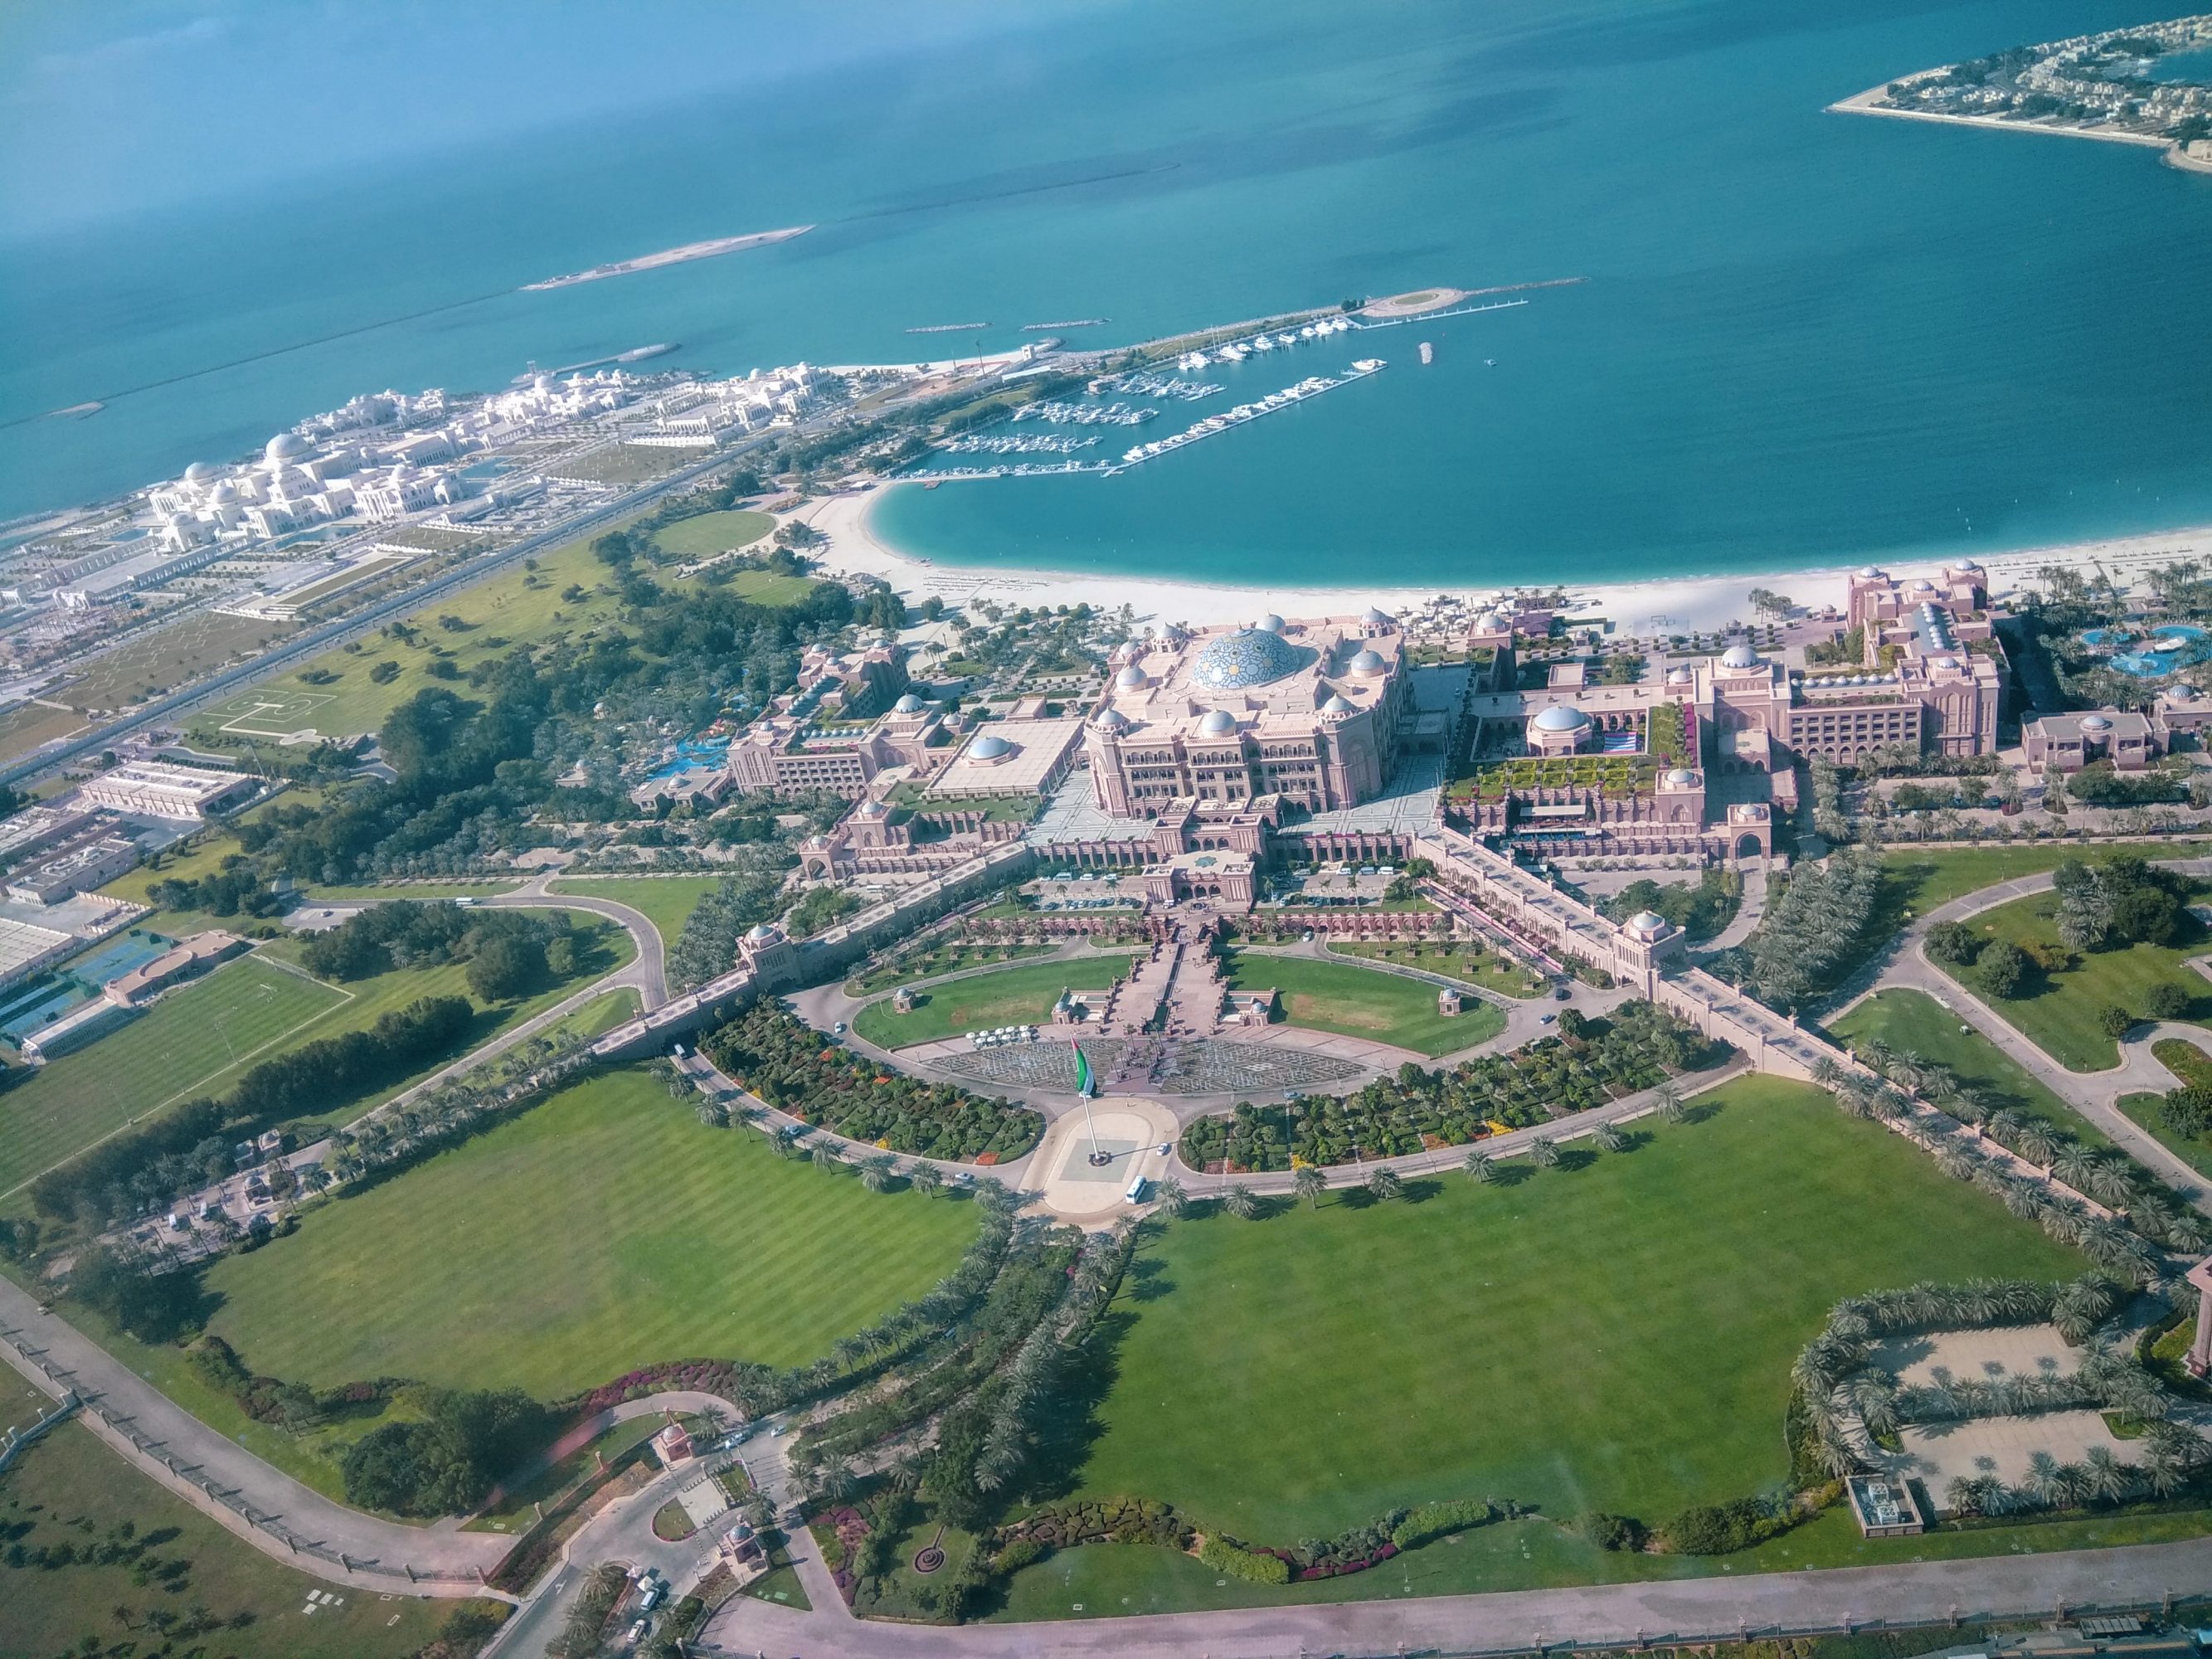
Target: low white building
<point>154,789</point>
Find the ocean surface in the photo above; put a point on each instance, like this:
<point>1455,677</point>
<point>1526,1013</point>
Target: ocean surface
<point>1803,338</point>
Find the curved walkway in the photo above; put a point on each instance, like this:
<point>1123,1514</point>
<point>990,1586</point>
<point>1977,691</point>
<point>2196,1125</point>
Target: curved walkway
<point>2094,1095</point>
<point>648,972</point>
<point>262,1504</point>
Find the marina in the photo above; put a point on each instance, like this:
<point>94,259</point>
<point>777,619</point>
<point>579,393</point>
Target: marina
<point>1054,412</point>
<point>1144,384</point>
<point>1288,398</point>
<point>1017,443</point>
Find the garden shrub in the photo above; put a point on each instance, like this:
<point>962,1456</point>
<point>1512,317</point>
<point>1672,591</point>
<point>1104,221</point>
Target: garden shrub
<point>1251,1565</point>
<point>1021,1552</point>
<point>1435,1520</point>
<point>1612,1532</point>
<point>1953,944</point>
<point>1723,1528</point>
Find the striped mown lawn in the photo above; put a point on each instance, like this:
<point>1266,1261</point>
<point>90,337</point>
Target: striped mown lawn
<point>192,1042</point>
<point>603,1230</point>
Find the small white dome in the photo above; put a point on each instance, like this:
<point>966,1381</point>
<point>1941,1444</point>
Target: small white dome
<point>1681,777</point>
<point>1491,621</point>
<point>1270,624</point>
<point>1681,676</point>
<point>1369,662</point>
<point>1648,924</point>
<point>761,933</point>
<point>284,447</point>
<point>1335,705</point>
<point>1921,585</point>
<point>198,472</point>
<point>908,704</point>
<point>1967,568</point>
<point>1131,678</point>
<point>1946,662</point>
<point>1739,656</point>
<point>1218,723</point>
<point>1109,719</point>
<point>2095,723</point>
<point>1376,618</point>
<point>990,746</point>
<point>1560,717</point>
<point>872,809</point>
<point>1874,573</point>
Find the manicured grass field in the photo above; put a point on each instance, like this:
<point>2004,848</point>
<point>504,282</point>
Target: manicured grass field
<point>942,959</point>
<point>668,901</point>
<point>198,1040</point>
<point>1615,1335</point>
<point>1913,1022</point>
<point>194,1041</point>
<point>2059,1010</point>
<point>70,1476</point>
<point>1007,996</point>
<point>1489,971</point>
<point>603,1229</point>
<point>2144,1108</point>
<point>710,533</point>
<point>1334,996</point>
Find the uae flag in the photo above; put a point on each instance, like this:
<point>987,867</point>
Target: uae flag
<point>1082,1072</point>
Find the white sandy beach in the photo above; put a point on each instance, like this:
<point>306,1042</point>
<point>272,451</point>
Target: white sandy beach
<point>1685,605</point>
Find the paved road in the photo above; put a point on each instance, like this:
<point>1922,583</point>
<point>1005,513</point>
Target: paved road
<point>648,972</point>
<point>61,1357</point>
<point>2092,1094</point>
<point>1623,1615</point>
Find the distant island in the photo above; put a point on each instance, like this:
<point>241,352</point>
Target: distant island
<point>2093,86</point>
<point>673,256</point>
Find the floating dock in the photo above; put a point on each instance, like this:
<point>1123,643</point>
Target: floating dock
<point>1289,397</point>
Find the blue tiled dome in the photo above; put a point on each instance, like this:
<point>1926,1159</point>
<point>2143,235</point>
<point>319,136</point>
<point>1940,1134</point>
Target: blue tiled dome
<point>1250,656</point>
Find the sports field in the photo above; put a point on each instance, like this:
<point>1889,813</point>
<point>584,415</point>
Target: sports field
<point>70,1476</point>
<point>1010,996</point>
<point>1615,1335</point>
<point>710,533</point>
<point>252,1008</point>
<point>603,1229</point>
<point>1362,1002</point>
<point>1916,1026</point>
<point>2059,1010</point>
<point>194,1041</point>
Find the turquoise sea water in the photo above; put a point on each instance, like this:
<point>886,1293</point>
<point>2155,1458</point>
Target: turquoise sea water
<point>1803,336</point>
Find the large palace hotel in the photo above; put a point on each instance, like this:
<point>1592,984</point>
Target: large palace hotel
<point>1306,711</point>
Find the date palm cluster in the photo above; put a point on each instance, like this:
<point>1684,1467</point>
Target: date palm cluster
<point>457,1106</point>
<point>2143,1214</point>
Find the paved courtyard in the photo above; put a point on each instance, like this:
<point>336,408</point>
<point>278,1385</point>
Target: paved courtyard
<point>1154,1066</point>
<point>1975,1356</point>
<point>1941,1453</point>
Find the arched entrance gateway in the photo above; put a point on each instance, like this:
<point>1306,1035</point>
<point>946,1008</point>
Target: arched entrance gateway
<point>1747,846</point>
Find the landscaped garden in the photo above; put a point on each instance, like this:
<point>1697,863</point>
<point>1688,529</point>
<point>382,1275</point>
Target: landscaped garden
<point>603,1229</point>
<point>791,1066</point>
<point>1335,996</point>
<point>1914,1026</point>
<point>1008,996</point>
<point>705,534</point>
<point>1588,1064</point>
<point>1329,1364</point>
<point>1610,775</point>
<point>1462,960</point>
<point>2075,967</point>
<point>947,955</point>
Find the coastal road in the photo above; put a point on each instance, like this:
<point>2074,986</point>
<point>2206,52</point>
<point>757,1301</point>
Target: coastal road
<point>317,640</point>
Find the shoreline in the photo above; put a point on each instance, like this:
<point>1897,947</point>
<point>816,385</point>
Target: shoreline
<point>1694,604</point>
<point>1864,103</point>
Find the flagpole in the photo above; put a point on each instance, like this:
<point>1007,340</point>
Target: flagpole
<point>1098,1158</point>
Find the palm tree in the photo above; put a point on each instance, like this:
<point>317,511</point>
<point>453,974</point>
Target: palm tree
<point>825,1155</point>
<point>1609,1138</point>
<point>2043,1484</point>
<point>1963,1496</point>
<point>2074,1165</point>
<point>2109,1479</point>
<point>1670,1098</point>
<point>834,1482</point>
<point>1480,1166</point>
<point>787,1138</point>
<point>1310,1183</point>
<point>1384,1183</point>
<point>712,1115</point>
<point>1241,1201</point>
<point>1543,1153</point>
<point>2036,1143</point>
<point>2003,1125</point>
<point>878,1171</point>
<point>2112,1181</point>
<point>926,1178</point>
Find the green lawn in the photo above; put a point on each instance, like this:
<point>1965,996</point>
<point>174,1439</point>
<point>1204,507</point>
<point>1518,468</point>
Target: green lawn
<point>1008,996</point>
<point>198,1040</point>
<point>941,959</point>
<point>1334,996</point>
<point>1915,1024</point>
<point>2058,1011</point>
<point>192,1042</point>
<point>1487,970</point>
<point>2145,1109</point>
<point>1613,1336</point>
<point>666,900</point>
<point>710,533</point>
<point>70,1478</point>
<point>603,1229</point>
